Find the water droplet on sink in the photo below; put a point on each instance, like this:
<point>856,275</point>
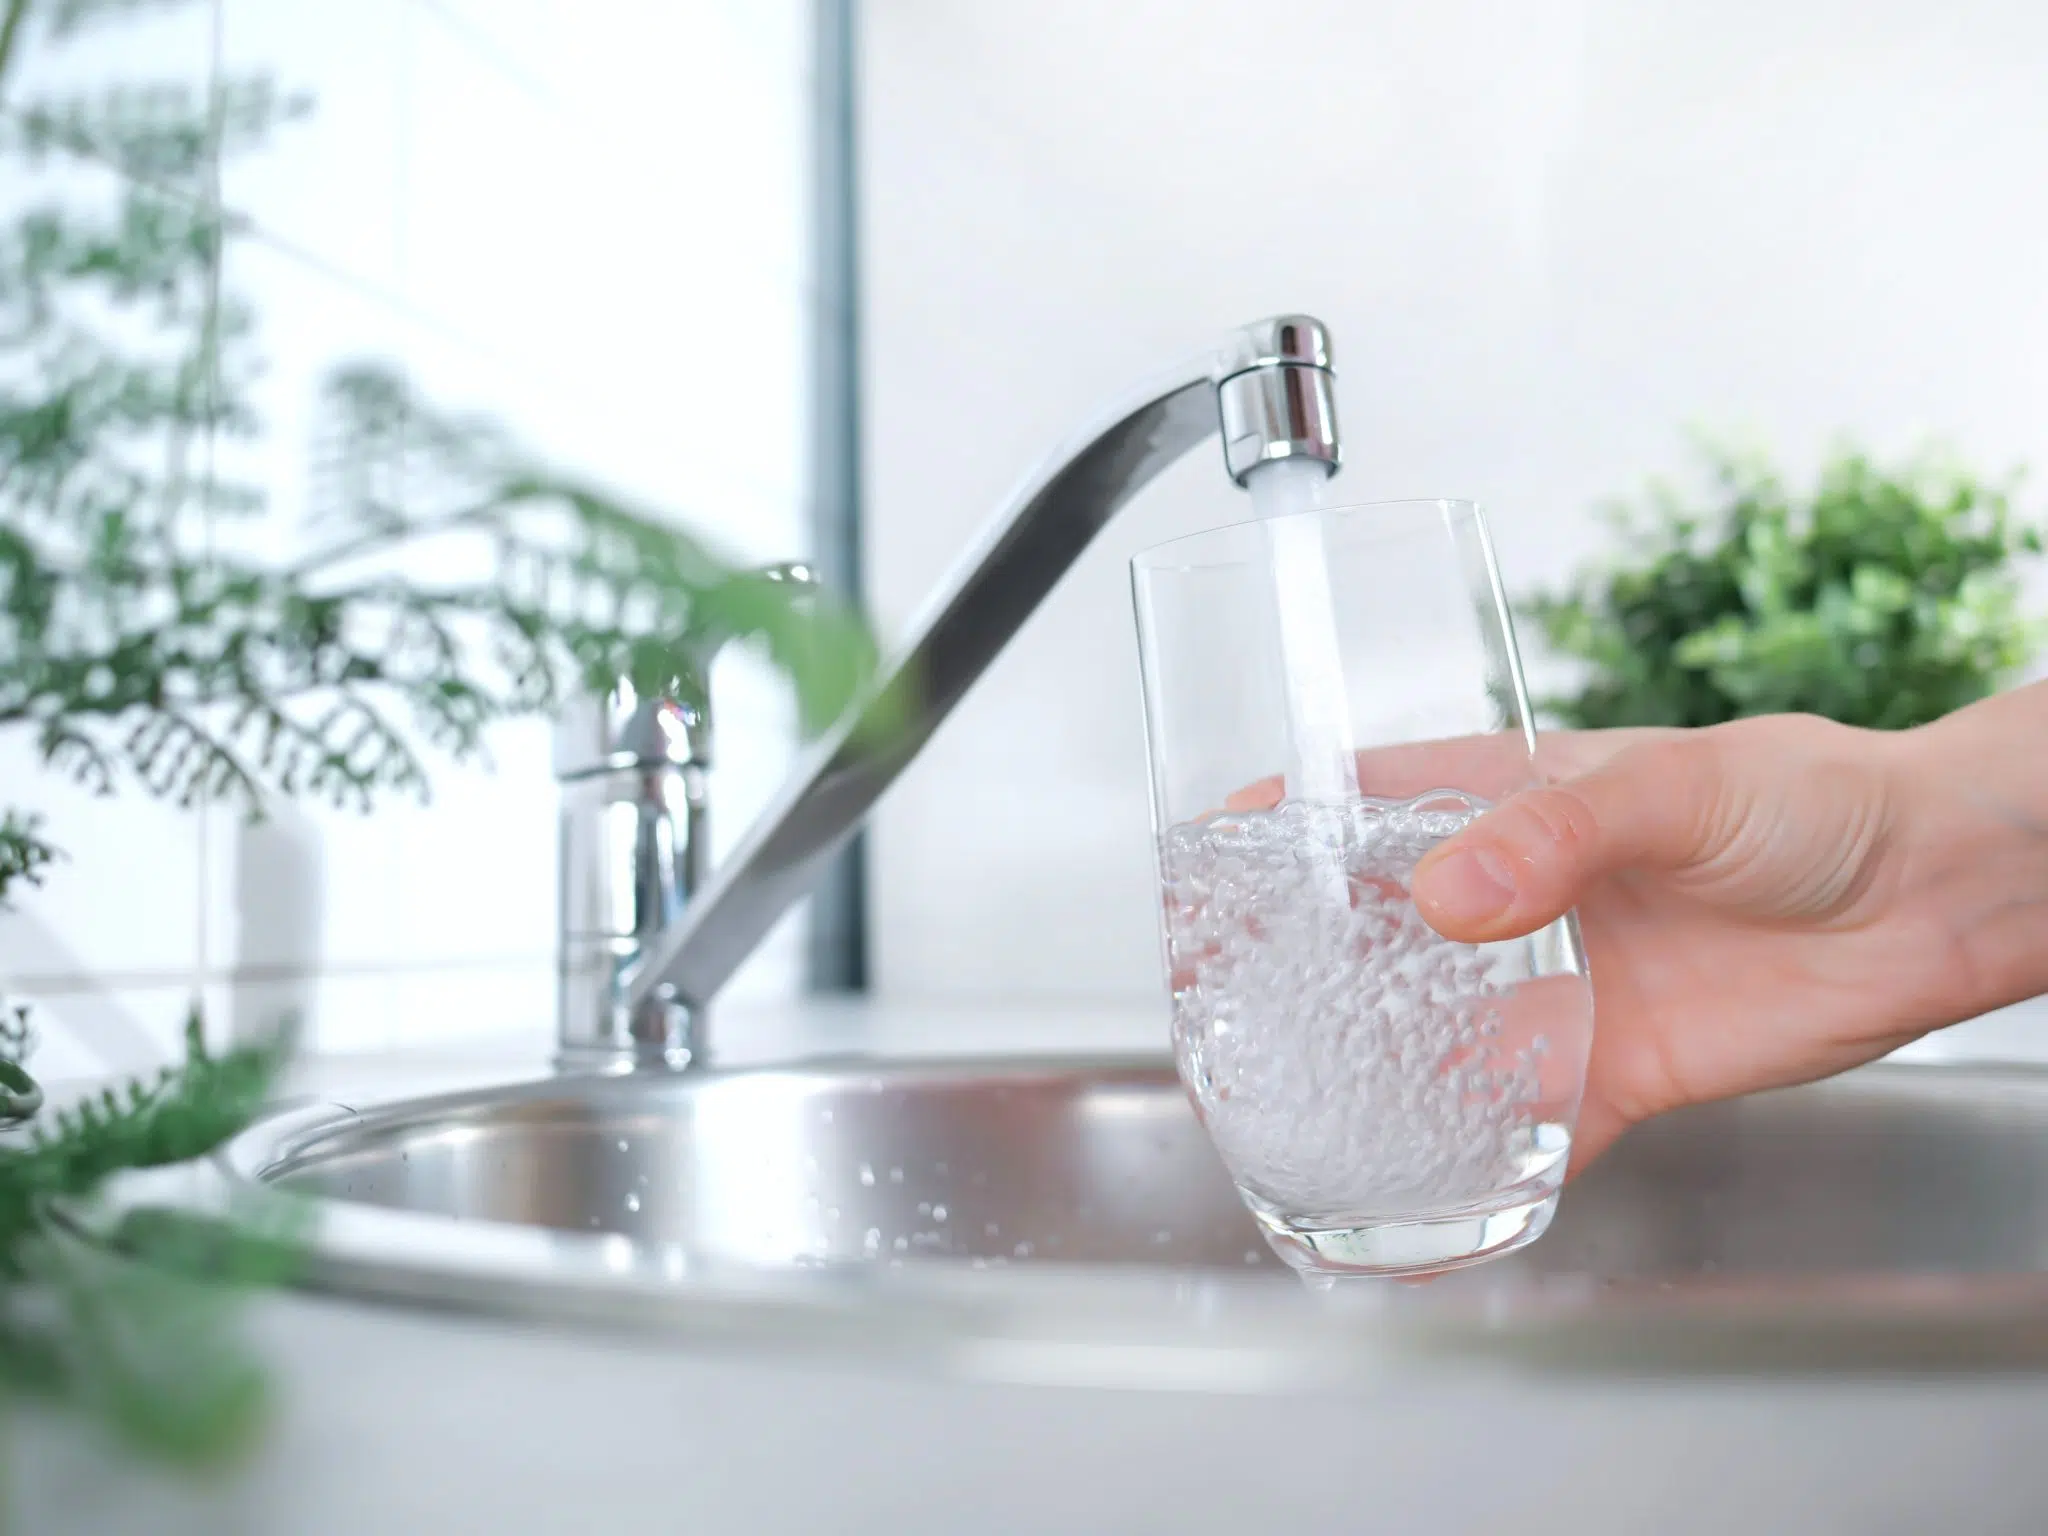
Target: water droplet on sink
<point>902,1243</point>
<point>1022,1250</point>
<point>938,1213</point>
<point>867,1175</point>
<point>871,1243</point>
<point>1251,1255</point>
<point>990,1230</point>
<point>624,1145</point>
<point>633,1202</point>
<point>924,1207</point>
<point>895,1175</point>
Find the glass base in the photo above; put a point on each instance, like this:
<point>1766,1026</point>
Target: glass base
<point>1407,1245</point>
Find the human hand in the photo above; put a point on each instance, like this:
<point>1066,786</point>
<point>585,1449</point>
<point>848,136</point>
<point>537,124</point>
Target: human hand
<point>1766,902</point>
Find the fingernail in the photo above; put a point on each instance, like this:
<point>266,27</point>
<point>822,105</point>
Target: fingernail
<point>1472,885</point>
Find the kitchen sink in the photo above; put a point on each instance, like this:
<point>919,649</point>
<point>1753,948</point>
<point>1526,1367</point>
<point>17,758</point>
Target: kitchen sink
<point>1895,1215</point>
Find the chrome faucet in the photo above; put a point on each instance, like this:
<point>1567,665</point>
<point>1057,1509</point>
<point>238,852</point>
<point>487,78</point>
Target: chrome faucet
<point>640,969</point>
<point>634,848</point>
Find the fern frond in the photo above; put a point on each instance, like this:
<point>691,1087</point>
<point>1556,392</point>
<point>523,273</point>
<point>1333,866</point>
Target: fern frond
<point>24,853</point>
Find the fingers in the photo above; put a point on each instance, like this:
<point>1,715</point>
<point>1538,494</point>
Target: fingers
<point>1491,767</point>
<point>1659,804</point>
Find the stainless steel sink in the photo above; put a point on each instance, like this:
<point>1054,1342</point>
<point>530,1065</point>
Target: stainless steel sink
<point>1896,1215</point>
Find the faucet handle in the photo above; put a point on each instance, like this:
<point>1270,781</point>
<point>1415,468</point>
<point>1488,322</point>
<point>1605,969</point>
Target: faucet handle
<point>713,637</point>
<point>621,729</point>
<point>634,849</point>
<point>693,693</point>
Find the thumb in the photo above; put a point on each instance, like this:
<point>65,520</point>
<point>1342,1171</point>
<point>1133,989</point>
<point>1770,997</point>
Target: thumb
<point>1660,805</point>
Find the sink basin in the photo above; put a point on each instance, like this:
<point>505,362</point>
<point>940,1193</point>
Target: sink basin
<point>1897,1214</point>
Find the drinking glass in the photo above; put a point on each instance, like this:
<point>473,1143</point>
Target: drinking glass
<point>1328,695</point>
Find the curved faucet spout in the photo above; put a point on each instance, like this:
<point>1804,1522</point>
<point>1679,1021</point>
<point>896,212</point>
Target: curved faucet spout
<point>1268,388</point>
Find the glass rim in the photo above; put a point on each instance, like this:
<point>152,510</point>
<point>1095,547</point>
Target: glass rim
<point>1159,557</point>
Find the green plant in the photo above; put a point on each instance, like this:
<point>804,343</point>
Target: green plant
<point>1882,598</point>
<point>142,644</point>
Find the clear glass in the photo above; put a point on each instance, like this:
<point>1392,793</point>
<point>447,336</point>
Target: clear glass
<point>1328,695</point>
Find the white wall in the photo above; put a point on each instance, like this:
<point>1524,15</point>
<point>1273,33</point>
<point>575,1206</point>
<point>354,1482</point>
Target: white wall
<point>589,220</point>
<point>1548,238</point>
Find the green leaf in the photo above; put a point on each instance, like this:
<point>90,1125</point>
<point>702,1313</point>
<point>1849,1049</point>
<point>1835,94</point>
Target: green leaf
<point>1884,597</point>
<point>24,854</point>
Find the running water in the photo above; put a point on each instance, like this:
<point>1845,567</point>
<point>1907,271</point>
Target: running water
<point>1321,764</point>
<point>1348,1061</point>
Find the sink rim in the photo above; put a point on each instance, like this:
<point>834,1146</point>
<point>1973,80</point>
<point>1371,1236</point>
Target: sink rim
<point>1134,1325</point>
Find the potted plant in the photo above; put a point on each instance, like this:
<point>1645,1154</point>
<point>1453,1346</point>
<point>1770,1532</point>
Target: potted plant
<point>1882,597</point>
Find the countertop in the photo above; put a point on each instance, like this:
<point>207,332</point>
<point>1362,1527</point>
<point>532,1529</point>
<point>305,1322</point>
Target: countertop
<point>396,1421</point>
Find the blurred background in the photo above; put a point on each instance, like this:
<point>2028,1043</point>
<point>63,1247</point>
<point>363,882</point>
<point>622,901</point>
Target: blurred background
<point>828,278</point>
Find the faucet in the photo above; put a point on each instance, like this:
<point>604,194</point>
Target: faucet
<point>634,843</point>
<point>649,934</point>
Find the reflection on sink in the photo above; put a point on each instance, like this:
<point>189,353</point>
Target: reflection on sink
<point>1892,1170</point>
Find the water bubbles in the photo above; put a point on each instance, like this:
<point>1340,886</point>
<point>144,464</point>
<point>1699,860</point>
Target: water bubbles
<point>633,1202</point>
<point>938,1213</point>
<point>625,1145</point>
<point>871,1242</point>
<point>901,1244</point>
<point>1344,1054</point>
<point>1022,1250</point>
<point>867,1175</point>
<point>895,1175</point>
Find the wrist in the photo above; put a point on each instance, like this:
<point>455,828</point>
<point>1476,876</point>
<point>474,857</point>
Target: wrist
<point>1971,888</point>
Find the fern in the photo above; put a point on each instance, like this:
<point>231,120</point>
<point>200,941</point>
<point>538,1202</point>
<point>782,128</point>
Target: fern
<point>142,647</point>
<point>143,1330</point>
